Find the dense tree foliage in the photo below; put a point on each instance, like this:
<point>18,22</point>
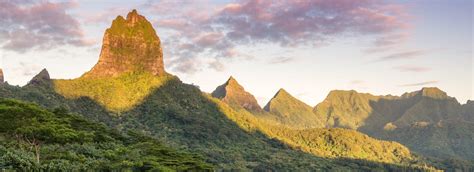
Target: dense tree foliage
<point>32,138</point>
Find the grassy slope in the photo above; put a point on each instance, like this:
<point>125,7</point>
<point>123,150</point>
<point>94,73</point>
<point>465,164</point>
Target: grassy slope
<point>117,94</point>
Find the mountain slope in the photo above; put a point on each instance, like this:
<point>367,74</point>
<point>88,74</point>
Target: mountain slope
<point>292,112</point>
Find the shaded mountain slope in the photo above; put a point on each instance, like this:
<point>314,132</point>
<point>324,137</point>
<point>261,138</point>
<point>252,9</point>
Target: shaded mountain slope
<point>444,139</point>
<point>292,112</point>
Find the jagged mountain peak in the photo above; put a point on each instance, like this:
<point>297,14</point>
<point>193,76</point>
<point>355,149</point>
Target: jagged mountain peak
<point>290,111</point>
<point>470,102</point>
<point>282,93</point>
<point>40,79</point>
<point>129,45</point>
<point>234,94</point>
<point>430,92</point>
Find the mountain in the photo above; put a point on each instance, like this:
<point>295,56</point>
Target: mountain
<point>129,45</point>
<point>421,120</point>
<point>40,79</point>
<point>292,112</point>
<point>232,93</point>
<point>130,66</point>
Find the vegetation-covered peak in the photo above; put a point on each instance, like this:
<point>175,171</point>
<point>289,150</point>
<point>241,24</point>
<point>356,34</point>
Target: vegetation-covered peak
<point>129,45</point>
<point>292,112</point>
<point>470,102</point>
<point>41,79</point>
<point>235,95</point>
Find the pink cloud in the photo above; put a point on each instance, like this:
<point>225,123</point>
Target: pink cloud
<point>419,84</point>
<point>220,29</point>
<point>28,25</point>
<point>408,68</point>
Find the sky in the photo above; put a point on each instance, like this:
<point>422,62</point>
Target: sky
<point>307,47</point>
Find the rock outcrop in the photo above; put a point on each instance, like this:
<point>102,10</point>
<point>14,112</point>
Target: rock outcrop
<point>129,45</point>
<point>234,94</point>
<point>1,77</point>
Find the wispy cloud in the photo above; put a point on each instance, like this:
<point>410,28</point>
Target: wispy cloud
<point>419,84</point>
<point>400,55</point>
<point>281,60</point>
<point>408,68</point>
<point>217,31</point>
<point>38,25</point>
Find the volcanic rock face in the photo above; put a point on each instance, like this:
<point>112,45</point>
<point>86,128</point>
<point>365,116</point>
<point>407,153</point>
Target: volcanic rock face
<point>1,76</point>
<point>129,45</point>
<point>234,94</point>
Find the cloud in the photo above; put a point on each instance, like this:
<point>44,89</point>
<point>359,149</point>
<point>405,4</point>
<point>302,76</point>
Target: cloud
<point>104,16</point>
<point>401,55</point>
<point>217,31</point>
<point>217,65</point>
<point>412,68</point>
<point>38,25</point>
<point>419,84</point>
<point>280,60</point>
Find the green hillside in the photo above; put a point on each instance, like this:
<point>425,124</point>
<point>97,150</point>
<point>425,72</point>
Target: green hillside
<point>291,112</point>
<point>411,119</point>
<point>34,139</point>
<point>180,116</point>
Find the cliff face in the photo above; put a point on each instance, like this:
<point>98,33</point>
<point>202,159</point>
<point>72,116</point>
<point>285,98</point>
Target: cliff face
<point>129,45</point>
<point>1,76</point>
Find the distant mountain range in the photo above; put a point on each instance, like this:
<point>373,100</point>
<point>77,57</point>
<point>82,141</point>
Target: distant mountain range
<point>129,91</point>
